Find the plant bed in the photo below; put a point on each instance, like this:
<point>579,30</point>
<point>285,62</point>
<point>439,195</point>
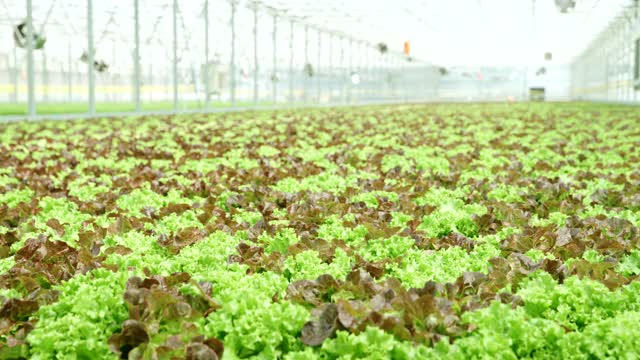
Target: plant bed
<point>441,231</point>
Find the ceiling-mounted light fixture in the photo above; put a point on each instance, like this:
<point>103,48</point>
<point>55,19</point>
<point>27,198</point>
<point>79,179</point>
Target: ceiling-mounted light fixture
<point>565,5</point>
<point>355,78</point>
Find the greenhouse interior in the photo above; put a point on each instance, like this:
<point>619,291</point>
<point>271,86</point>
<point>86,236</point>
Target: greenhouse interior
<point>290,179</point>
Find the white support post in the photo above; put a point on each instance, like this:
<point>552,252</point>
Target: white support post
<point>31,109</point>
<point>606,73</point>
<point>291,94</point>
<point>69,72</point>
<point>358,88</point>
<point>207,89</point>
<point>91,51</point>
<point>425,81</point>
<point>136,55</point>
<point>391,76</point>
<point>350,71</point>
<point>343,72</point>
<point>627,41</point>
<point>394,78</point>
<point>175,55</point>
<point>318,82</point>
<point>367,70</point>
<point>150,79</point>
<point>45,77</point>
<point>406,85</point>
<point>631,59</point>
<point>305,83</point>
<point>112,79</point>
<point>274,79</point>
<point>232,70</point>
<point>255,55</point>
<point>330,69</point>
<point>374,72</point>
<point>14,76</point>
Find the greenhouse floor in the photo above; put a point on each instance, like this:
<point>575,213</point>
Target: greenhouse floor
<point>385,232</point>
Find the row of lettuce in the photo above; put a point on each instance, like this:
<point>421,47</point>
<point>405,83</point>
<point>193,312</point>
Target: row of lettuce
<point>400,232</point>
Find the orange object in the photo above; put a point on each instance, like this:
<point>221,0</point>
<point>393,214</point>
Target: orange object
<point>407,48</point>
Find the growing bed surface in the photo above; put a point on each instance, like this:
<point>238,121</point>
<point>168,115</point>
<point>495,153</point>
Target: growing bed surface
<point>403,232</point>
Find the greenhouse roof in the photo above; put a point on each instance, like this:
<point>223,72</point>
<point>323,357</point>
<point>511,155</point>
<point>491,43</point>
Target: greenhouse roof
<point>451,32</point>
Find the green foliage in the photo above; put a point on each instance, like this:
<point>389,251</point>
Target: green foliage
<point>447,219</point>
<point>418,266</point>
<point>250,217</point>
<point>252,324</point>
<point>630,264</point>
<point>575,304</point>
<point>143,197</point>
<point>334,229</point>
<point>372,343</point>
<point>507,334</point>
<point>451,213</point>
<point>308,265</point>
<point>380,249</point>
<point>89,310</point>
<point>506,193</point>
<point>280,241</point>
<point>613,338</point>
<point>539,330</point>
<point>13,198</point>
<point>317,183</point>
<point>371,198</point>
<point>249,231</point>
<point>175,222</point>
<point>65,212</point>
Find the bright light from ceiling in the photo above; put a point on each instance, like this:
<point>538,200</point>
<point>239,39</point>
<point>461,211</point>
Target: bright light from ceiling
<point>565,5</point>
<point>355,78</point>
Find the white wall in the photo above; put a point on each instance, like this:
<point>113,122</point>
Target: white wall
<point>605,70</point>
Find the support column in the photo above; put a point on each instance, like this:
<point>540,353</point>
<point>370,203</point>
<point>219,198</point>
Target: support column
<point>91,52</point>
<point>112,78</point>
<point>343,73</point>
<point>207,89</point>
<point>318,82</point>
<point>45,77</point>
<point>367,70</point>
<point>425,81</point>
<point>358,88</point>
<point>232,70</point>
<point>274,79</point>
<point>291,95</point>
<point>31,95</point>
<point>405,82</point>
<point>14,76</point>
<point>305,83</point>
<point>350,71</point>
<point>175,55</point>
<point>136,55</point>
<point>330,69</point>
<point>627,41</point>
<point>255,55</point>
